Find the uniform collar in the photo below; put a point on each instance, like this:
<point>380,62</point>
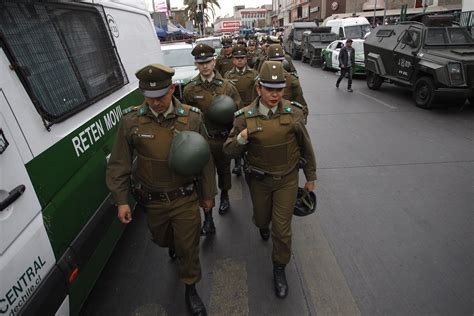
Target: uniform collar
<point>213,75</point>
<point>263,110</point>
<point>165,114</point>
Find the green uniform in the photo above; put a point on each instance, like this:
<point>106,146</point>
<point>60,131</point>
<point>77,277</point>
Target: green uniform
<point>273,152</point>
<point>200,95</point>
<point>170,200</point>
<point>244,82</point>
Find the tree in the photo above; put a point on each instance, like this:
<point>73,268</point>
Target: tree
<point>192,10</point>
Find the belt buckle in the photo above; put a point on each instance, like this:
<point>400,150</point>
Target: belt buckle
<point>164,197</point>
<point>276,177</point>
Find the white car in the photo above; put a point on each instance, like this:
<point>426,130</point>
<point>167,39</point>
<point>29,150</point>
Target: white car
<point>178,56</point>
<point>330,56</point>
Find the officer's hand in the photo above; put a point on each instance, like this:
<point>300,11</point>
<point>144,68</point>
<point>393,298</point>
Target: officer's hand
<point>310,186</point>
<point>206,204</point>
<point>244,134</point>
<point>124,213</point>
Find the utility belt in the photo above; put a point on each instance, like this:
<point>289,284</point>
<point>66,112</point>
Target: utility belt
<point>143,195</point>
<point>218,135</point>
<point>260,174</point>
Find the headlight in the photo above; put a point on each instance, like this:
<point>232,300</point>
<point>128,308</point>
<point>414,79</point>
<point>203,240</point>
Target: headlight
<point>455,73</point>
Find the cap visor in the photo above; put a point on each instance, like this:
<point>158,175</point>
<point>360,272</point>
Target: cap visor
<point>277,58</point>
<point>273,85</point>
<point>203,59</point>
<point>155,93</point>
<point>239,55</point>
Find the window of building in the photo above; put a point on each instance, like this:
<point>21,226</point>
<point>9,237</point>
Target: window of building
<point>63,54</point>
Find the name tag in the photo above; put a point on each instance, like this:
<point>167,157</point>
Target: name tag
<point>199,97</point>
<point>148,136</point>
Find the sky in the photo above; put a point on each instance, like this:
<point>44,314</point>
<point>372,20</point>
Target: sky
<point>227,6</point>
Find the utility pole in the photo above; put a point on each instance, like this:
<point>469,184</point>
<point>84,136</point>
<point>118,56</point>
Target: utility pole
<point>375,11</point>
<point>200,16</point>
<point>384,11</point>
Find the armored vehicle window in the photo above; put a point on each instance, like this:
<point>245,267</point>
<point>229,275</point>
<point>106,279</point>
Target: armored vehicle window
<point>63,54</point>
<point>447,36</point>
<point>298,34</point>
<point>459,36</point>
<point>315,38</point>
<point>384,33</point>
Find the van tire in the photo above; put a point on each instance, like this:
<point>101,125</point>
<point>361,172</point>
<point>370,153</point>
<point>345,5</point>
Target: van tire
<point>423,92</point>
<point>324,65</point>
<point>374,81</point>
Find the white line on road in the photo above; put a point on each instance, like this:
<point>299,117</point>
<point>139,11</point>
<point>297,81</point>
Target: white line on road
<point>377,100</point>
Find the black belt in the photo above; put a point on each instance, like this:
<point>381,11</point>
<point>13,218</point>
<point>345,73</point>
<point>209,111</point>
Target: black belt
<point>218,135</point>
<point>142,195</point>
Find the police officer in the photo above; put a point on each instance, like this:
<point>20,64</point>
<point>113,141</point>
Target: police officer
<point>272,135</point>
<point>244,79</point>
<point>292,90</point>
<point>224,60</point>
<point>171,200</point>
<point>199,92</point>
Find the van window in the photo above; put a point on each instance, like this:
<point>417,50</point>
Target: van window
<point>63,54</point>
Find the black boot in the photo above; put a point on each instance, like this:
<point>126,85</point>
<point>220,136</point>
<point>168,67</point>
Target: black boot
<point>194,302</point>
<point>265,233</point>
<point>172,254</point>
<point>225,204</point>
<point>279,280</point>
<point>208,227</point>
<point>237,167</point>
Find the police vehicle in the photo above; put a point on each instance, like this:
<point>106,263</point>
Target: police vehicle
<point>430,57</point>
<point>330,56</point>
<point>66,74</point>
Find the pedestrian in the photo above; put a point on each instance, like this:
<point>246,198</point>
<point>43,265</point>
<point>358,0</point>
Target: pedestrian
<point>244,79</point>
<point>171,200</point>
<point>271,134</point>
<point>200,92</point>
<point>346,61</point>
<point>224,60</point>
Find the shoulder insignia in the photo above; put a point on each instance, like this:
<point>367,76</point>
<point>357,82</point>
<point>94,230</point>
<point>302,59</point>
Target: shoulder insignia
<point>287,109</point>
<point>142,110</point>
<point>257,77</point>
<point>299,105</point>
<point>181,111</point>
<point>218,82</point>
<point>129,109</point>
<point>238,113</point>
<point>195,109</point>
<point>294,74</point>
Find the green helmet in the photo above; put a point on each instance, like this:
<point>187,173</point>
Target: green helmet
<point>189,153</point>
<point>221,111</point>
<point>286,65</point>
<point>305,203</point>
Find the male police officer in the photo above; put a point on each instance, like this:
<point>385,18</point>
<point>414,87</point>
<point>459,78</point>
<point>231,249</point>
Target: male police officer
<point>171,200</point>
<point>292,90</point>
<point>199,92</point>
<point>244,80</point>
<point>271,133</point>
<point>224,60</point>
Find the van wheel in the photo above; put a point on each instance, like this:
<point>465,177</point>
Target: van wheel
<point>424,91</point>
<point>374,81</point>
<point>324,65</point>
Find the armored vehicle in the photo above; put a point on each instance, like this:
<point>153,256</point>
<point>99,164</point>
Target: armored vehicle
<point>431,58</point>
<point>313,42</point>
<point>293,35</point>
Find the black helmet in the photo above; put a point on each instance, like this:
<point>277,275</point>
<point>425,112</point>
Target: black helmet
<point>305,203</point>
<point>252,61</point>
<point>189,153</point>
<point>221,110</point>
<point>286,65</point>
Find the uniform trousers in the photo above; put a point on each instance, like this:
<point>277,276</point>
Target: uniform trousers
<point>222,163</point>
<point>177,224</point>
<point>273,201</point>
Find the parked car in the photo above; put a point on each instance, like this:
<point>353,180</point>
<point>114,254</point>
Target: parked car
<point>330,55</point>
<point>432,57</point>
<point>293,36</point>
<point>178,56</point>
<point>313,42</point>
<point>213,41</point>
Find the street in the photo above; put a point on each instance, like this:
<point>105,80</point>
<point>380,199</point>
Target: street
<point>393,233</point>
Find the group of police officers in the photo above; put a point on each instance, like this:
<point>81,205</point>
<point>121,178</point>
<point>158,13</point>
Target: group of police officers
<point>267,131</point>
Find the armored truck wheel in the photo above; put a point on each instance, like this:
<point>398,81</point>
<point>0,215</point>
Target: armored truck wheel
<point>423,93</point>
<point>374,81</point>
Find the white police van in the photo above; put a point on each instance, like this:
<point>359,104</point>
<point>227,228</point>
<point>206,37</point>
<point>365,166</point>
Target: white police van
<point>66,73</point>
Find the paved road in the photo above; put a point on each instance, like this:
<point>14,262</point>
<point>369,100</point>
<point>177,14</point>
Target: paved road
<point>393,236</point>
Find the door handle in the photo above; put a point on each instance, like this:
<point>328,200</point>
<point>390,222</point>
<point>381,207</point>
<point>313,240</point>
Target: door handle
<point>12,196</point>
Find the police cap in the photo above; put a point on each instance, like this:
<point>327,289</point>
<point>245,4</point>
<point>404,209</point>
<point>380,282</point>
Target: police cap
<point>239,51</point>
<point>154,80</point>
<point>272,75</point>
<point>226,42</point>
<point>275,52</point>
<point>203,53</point>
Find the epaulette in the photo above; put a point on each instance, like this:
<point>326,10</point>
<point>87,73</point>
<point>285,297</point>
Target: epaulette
<point>238,113</point>
<point>257,78</point>
<point>142,110</point>
<point>195,109</point>
<point>218,82</point>
<point>129,109</point>
<point>232,82</point>
<point>299,105</point>
<point>294,74</point>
